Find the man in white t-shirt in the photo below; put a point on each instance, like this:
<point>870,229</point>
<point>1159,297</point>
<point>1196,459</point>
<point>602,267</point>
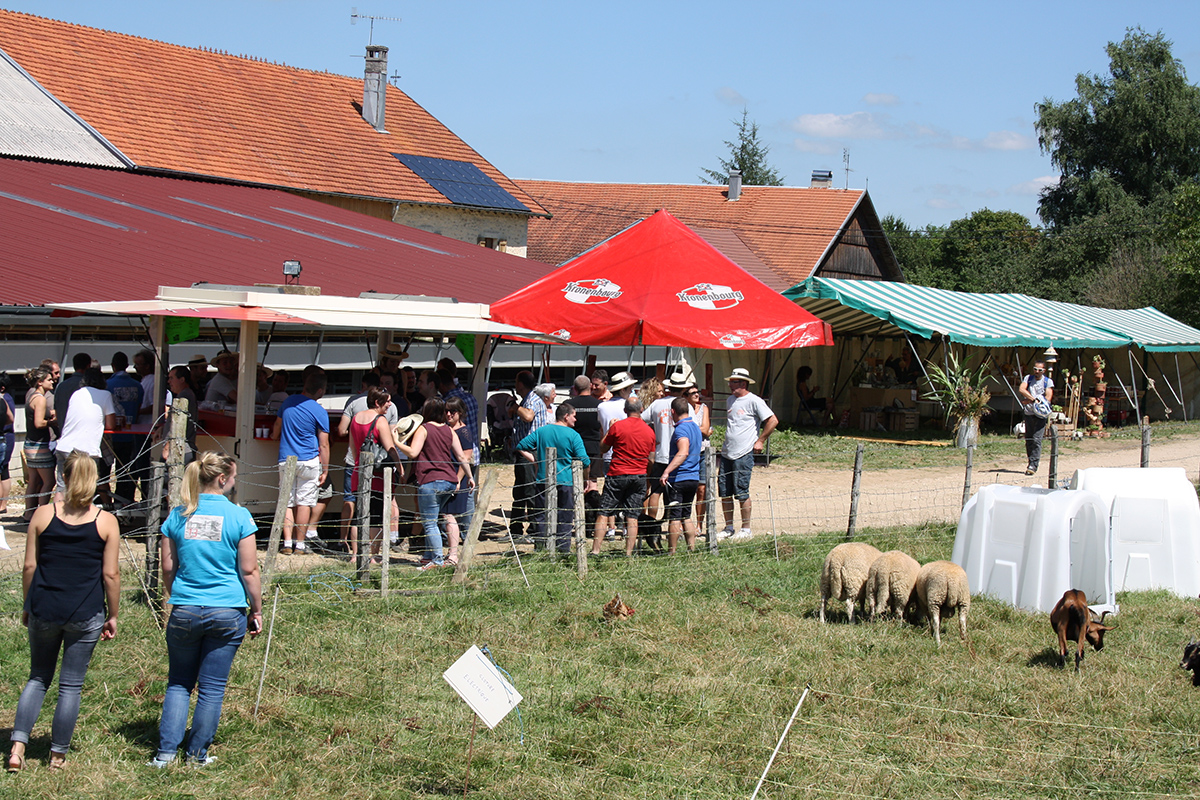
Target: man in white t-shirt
<point>749,421</point>
<point>222,388</point>
<point>91,410</point>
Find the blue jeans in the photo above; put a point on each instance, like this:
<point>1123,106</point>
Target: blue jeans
<point>566,519</point>
<point>201,644</point>
<point>432,498</point>
<point>77,641</point>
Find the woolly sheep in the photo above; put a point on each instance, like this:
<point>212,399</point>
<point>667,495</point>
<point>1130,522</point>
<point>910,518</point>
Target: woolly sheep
<point>941,588</point>
<point>890,583</point>
<point>845,574</point>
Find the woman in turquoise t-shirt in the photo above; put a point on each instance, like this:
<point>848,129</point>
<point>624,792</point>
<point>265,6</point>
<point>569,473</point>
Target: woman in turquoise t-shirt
<point>210,567</point>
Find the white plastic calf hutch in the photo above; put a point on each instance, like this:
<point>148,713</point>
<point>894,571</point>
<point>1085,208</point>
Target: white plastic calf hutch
<point>1155,523</point>
<point>1026,546</point>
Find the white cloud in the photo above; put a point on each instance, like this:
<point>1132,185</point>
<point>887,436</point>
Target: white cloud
<point>881,99</point>
<point>731,96</point>
<point>859,125</point>
<point>1033,187</point>
<point>942,204</point>
<point>1008,140</point>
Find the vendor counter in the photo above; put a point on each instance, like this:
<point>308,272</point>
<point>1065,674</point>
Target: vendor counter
<point>874,398</point>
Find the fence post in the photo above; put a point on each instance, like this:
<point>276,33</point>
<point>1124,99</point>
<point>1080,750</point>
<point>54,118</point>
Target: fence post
<point>467,550</point>
<point>711,499</point>
<point>1145,442</point>
<point>286,482</point>
<point>366,473</point>
<point>153,521</point>
<point>967,477</point>
<point>774,530</point>
<point>385,536</point>
<point>1052,478</point>
<point>854,490</point>
<point>176,440</point>
<point>550,519</point>
<point>579,526</point>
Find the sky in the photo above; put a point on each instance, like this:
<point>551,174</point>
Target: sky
<point>934,102</point>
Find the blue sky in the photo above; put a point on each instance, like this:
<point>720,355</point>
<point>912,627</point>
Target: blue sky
<point>933,100</point>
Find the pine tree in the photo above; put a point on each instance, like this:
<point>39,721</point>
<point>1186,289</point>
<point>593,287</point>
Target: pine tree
<point>748,155</point>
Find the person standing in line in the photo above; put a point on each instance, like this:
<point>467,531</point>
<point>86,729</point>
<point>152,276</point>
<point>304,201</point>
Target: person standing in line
<point>222,387</point>
<point>532,413</point>
<point>210,571</point>
<point>179,384</point>
<point>127,396</point>
<point>372,423</point>
<point>749,421</point>
<point>39,458</point>
<point>302,430</point>
<point>461,508</point>
<point>629,445</point>
<point>587,425</point>
<point>1034,388</point>
<point>10,443</point>
<point>81,362</point>
<point>90,412</point>
<point>658,416</point>
<point>72,588</point>
<point>682,475</point>
<point>701,416</point>
<point>560,435</point>
<point>355,404</point>
<point>197,366</point>
<point>600,389</point>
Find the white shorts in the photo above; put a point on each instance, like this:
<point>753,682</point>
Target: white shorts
<point>308,475</point>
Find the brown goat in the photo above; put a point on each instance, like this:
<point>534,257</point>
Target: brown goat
<point>1072,620</point>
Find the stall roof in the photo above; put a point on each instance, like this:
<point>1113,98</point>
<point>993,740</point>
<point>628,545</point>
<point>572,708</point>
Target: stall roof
<point>856,308</point>
<point>264,305</point>
<point>99,234</point>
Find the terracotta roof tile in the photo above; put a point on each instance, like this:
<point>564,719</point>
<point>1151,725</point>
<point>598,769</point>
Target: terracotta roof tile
<point>195,111</point>
<point>788,229</point>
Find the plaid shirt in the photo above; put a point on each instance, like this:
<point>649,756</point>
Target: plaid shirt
<point>541,416</point>
<point>471,420</point>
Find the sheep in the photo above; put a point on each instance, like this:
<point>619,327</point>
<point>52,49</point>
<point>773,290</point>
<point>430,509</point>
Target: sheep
<point>890,583</point>
<point>845,574</point>
<point>941,588</point>
<point>1073,621</point>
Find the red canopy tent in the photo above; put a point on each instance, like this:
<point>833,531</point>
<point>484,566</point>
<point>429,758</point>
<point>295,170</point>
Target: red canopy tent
<point>659,283</point>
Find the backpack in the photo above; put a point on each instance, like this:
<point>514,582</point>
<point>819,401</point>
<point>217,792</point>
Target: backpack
<point>372,445</point>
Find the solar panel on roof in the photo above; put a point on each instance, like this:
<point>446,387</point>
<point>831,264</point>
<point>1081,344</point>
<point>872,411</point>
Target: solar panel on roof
<point>461,182</point>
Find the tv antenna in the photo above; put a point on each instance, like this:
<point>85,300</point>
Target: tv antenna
<point>846,161</point>
<point>355,17</point>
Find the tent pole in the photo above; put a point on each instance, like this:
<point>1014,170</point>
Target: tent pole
<point>1166,380</point>
<point>267,347</point>
<point>1179,380</point>
<point>220,335</point>
<point>1133,385</point>
<point>921,364</point>
<point>320,341</point>
<point>866,347</point>
<point>783,366</point>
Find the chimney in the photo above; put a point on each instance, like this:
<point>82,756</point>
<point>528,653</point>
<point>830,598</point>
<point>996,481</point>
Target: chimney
<point>375,87</point>
<point>735,184</point>
<point>821,179</point>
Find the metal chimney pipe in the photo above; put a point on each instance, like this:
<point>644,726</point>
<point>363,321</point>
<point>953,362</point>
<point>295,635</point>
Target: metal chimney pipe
<point>735,184</point>
<point>375,87</point>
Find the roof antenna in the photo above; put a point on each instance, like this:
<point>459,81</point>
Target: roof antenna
<point>355,17</point>
<point>846,161</point>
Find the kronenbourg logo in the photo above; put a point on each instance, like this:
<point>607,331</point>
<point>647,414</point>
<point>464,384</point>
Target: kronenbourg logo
<point>731,341</point>
<point>591,291</point>
<point>562,333</point>
<point>708,297</point>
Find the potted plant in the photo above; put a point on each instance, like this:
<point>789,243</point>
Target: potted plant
<point>962,392</point>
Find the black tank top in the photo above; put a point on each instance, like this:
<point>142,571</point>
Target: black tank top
<point>68,584</point>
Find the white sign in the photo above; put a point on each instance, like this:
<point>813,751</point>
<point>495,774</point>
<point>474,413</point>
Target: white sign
<point>482,687</point>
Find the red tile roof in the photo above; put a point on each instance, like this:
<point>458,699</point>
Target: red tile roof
<point>76,234</point>
<point>199,112</point>
<point>788,229</point>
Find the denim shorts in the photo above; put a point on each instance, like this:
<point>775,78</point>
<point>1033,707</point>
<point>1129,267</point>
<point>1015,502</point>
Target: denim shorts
<point>734,480</point>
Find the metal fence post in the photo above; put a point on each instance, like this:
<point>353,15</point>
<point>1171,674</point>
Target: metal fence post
<point>1052,478</point>
<point>854,492</point>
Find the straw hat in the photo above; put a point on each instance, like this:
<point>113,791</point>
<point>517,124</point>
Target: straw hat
<point>198,360</point>
<point>678,380</point>
<point>406,427</point>
<point>622,380</point>
<point>740,374</point>
<point>395,352</point>
<point>224,354</point>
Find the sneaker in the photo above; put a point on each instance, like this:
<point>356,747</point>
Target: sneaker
<point>726,533</point>
<point>202,761</point>
<point>431,565</point>
<point>611,536</point>
<point>1030,471</point>
<point>311,533</point>
<point>522,540</point>
<point>741,535</point>
<point>159,763</point>
<point>299,548</point>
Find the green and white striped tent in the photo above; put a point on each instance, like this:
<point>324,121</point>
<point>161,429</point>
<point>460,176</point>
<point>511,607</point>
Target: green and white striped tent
<point>889,309</point>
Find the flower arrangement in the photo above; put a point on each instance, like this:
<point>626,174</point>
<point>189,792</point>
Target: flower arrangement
<point>962,391</point>
<point>1098,362</point>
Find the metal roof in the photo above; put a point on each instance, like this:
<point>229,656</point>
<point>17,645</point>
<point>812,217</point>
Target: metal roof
<point>75,234</point>
<point>856,308</point>
<point>33,124</point>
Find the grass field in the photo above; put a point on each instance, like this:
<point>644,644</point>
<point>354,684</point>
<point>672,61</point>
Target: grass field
<point>685,700</point>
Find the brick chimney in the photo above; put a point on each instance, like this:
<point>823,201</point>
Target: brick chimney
<point>375,87</point>
<point>821,179</point>
<point>735,184</point>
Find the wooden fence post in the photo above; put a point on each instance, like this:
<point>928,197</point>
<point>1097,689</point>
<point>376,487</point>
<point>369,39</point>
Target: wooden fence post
<point>385,536</point>
<point>967,478</point>
<point>854,492</point>
<point>1145,442</point>
<point>710,518</point>
<point>153,521</point>
<point>467,552</point>
<point>286,482</point>
<point>579,523</point>
<point>366,473</point>
<point>1052,477</point>
<point>550,527</point>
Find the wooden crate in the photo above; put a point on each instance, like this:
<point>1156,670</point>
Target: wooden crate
<point>901,420</point>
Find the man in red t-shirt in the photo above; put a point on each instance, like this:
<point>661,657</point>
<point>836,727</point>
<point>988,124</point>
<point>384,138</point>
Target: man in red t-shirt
<point>632,443</point>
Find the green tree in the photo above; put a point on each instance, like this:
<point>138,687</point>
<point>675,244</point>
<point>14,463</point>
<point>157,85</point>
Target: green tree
<point>747,154</point>
<point>916,250</point>
<point>989,251</point>
<point>1129,136</point>
<point>1180,235</point>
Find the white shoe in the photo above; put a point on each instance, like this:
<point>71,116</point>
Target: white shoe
<point>311,533</point>
<point>742,535</point>
<point>725,534</point>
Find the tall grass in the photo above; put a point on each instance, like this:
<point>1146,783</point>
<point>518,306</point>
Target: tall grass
<point>686,699</point>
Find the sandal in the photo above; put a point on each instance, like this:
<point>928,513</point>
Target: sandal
<point>58,761</point>
<point>451,561</point>
<point>16,763</point>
